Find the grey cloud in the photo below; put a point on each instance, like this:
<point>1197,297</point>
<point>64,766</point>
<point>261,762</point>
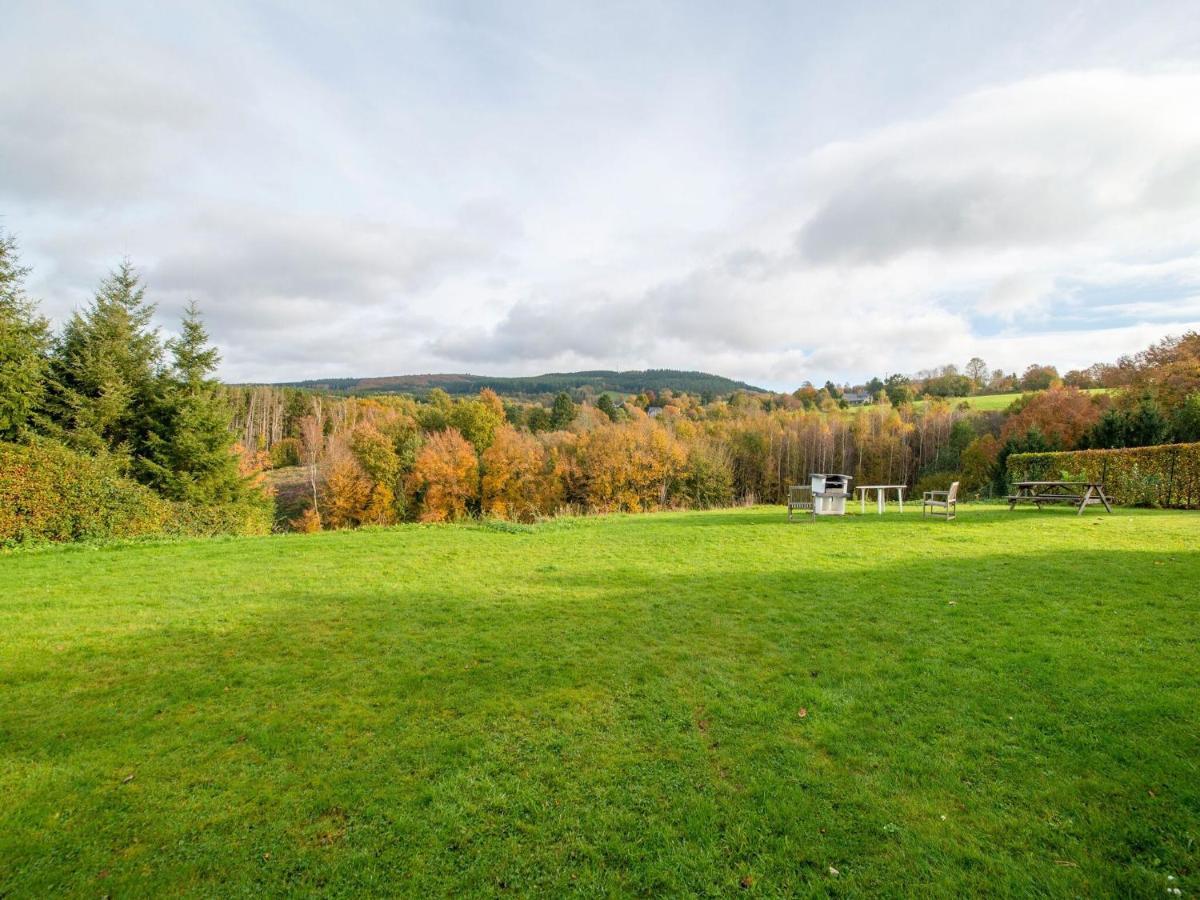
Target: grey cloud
<point>590,327</point>
<point>887,215</point>
<point>238,255</point>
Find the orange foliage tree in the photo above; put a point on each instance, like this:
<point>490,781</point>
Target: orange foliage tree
<point>518,479</point>
<point>445,477</point>
<point>1062,414</point>
<point>347,488</point>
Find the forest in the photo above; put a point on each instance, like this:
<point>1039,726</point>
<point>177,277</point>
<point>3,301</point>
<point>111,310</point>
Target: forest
<point>107,430</point>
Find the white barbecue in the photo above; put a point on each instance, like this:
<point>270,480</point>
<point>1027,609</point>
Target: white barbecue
<point>829,494</point>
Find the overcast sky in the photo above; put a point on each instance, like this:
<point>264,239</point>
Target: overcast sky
<point>774,192</point>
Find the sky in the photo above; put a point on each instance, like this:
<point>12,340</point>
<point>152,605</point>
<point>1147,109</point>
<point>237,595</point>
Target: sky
<point>775,192</point>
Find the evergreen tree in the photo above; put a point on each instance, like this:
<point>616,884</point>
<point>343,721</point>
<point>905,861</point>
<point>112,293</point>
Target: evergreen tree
<point>562,413</point>
<point>606,406</point>
<point>1111,432</point>
<point>189,447</point>
<point>105,370</point>
<point>24,343</point>
<point>1147,424</point>
<point>1187,419</point>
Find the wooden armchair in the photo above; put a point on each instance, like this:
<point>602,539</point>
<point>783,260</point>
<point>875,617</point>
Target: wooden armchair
<point>799,498</point>
<point>946,501</point>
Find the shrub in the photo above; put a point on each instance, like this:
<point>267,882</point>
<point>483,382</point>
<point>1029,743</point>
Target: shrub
<point>1166,475</point>
<point>935,481</point>
<point>251,516</point>
<point>51,493</point>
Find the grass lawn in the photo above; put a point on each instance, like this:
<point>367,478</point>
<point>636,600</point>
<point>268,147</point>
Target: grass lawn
<point>693,703</point>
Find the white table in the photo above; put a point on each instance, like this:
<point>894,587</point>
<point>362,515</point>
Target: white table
<point>880,494</point>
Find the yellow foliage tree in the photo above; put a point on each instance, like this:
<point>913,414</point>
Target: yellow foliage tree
<point>629,467</point>
<point>518,482</point>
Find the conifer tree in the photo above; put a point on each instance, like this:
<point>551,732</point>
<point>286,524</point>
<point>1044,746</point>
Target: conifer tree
<point>24,343</point>
<point>189,446</point>
<point>105,369</point>
<point>562,413</point>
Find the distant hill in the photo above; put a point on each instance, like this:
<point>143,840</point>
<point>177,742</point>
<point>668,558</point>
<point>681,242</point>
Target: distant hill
<point>619,382</point>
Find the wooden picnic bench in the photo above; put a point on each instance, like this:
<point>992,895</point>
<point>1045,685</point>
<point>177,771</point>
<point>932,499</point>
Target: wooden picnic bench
<point>1079,494</point>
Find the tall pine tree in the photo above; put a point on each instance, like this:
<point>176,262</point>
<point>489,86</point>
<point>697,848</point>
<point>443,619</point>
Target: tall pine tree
<point>189,451</point>
<point>24,344</point>
<point>105,370</point>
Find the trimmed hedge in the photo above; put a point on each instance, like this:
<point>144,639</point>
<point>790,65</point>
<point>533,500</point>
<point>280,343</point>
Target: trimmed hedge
<point>1166,475</point>
<point>51,493</point>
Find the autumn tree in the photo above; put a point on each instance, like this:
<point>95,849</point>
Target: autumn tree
<point>977,463</point>
<point>629,467</point>
<point>477,420</point>
<point>347,489</point>
<point>1062,415</point>
<point>376,454</point>
<point>445,477</point>
<point>1038,378</point>
<point>24,344</point>
<point>707,477</point>
<point>518,483</point>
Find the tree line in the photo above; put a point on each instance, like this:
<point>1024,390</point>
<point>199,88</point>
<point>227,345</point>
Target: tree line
<point>108,386</point>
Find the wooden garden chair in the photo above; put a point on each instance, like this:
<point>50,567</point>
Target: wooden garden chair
<point>799,498</point>
<point>946,501</point>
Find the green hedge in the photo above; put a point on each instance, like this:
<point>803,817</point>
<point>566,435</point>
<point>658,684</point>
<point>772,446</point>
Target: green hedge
<point>1167,475</point>
<point>51,493</point>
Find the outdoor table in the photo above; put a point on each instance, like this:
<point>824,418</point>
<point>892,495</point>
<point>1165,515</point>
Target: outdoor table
<point>1076,493</point>
<point>880,494</point>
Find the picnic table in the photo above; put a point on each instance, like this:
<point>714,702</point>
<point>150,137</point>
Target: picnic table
<point>1080,494</point>
<point>880,494</point>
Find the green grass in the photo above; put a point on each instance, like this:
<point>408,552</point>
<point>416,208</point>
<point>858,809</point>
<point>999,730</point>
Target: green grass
<point>997,402</point>
<point>1008,704</point>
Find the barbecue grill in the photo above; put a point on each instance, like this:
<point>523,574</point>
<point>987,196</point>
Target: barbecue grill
<point>829,494</point>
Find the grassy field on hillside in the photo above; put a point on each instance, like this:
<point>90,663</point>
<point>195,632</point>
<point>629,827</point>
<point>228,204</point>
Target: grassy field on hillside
<point>997,402</point>
<point>692,703</point>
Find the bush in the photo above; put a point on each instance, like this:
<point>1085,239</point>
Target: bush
<point>254,516</point>
<point>51,493</point>
<point>935,481</point>
<point>1167,475</point>
<point>285,452</point>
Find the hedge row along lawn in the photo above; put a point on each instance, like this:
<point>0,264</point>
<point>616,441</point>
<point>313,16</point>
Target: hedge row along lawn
<point>710,703</point>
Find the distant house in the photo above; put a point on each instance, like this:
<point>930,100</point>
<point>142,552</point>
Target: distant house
<point>856,398</point>
<point>654,411</point>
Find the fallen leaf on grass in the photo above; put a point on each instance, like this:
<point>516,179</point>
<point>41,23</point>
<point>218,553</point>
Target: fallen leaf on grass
<point>128,778</point>
<point>834,872</point>
<point>803,712</point>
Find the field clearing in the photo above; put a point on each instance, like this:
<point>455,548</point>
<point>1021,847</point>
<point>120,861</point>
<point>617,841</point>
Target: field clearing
<point>678,703</point>
<point>996,402</point>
